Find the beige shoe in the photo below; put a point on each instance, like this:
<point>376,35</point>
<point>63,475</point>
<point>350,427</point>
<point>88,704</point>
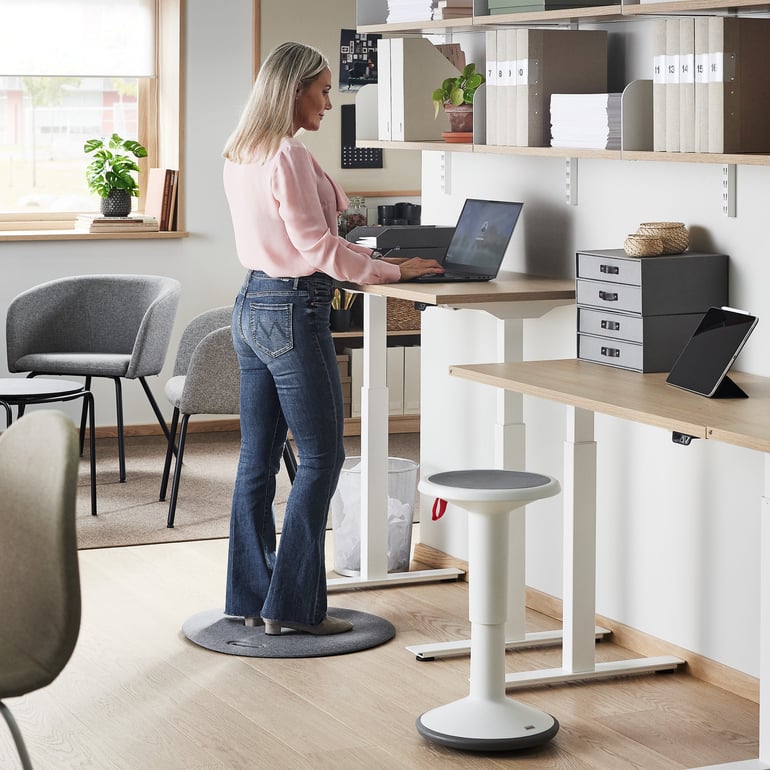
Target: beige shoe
<point>328,625</point>
<point>252,621</point>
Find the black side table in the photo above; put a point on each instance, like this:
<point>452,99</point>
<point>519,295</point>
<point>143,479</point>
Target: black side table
<point>21,391</point>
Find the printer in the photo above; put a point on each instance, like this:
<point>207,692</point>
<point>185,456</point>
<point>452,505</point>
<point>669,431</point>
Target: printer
<point>429,241</point>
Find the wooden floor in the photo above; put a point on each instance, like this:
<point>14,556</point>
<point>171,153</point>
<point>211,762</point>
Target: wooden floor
<point>138,695</point>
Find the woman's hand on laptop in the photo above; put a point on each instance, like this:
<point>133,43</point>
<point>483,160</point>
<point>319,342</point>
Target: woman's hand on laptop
<point>417,266</point>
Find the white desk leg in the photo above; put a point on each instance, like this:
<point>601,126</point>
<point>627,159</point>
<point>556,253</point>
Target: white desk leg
<point>374,463</point>
<point>579,494</point>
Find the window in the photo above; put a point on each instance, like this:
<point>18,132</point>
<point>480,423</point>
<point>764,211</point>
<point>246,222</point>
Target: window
<point>88,69</point>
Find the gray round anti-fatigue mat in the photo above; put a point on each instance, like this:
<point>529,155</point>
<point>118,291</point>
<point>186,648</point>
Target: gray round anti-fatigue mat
<point>216,631</point>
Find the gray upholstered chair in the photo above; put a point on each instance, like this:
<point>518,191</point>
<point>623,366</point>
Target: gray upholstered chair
<point>206,380</point>
<point>39,578</point>
<point>115,326</point>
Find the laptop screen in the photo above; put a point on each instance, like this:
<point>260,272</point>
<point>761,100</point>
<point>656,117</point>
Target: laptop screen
<point>482,235</point>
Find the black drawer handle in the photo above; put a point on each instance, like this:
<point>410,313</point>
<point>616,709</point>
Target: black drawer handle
<point>613,326</point>
<point>609,269</point>
<point>611,352</point>
<point>608,296</point>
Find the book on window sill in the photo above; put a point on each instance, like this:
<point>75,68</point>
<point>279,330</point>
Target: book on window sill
<point>162,184</point>
<point>96,223</point>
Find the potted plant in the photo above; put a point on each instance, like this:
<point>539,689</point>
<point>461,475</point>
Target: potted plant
<point>110,173</point>
<point>456,97</point>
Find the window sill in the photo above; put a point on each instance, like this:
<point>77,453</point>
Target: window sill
<point>73,235</point>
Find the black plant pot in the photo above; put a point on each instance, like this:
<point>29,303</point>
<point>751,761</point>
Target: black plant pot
<point>117,204</point>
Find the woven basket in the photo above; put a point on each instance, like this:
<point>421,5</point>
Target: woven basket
<point>402,315</point>
<point>674,235</point>
<point>638,245</point>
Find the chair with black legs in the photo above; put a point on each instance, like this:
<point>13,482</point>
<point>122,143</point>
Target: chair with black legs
<point>113,326</point>
<point>39,577</point>
<point>206,380</point>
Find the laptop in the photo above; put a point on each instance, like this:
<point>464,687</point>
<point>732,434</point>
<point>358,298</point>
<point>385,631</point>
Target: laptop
<point>479,242</point>
<point>707,357</point>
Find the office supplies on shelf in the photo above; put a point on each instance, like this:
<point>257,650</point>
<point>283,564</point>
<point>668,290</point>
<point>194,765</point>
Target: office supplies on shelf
<point>427,241</point>
<point>703,364</point>
<point>566,61</point>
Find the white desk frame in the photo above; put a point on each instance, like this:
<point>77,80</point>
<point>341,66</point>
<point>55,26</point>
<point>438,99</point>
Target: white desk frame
<point>744,423</point>
<point>513,296</point>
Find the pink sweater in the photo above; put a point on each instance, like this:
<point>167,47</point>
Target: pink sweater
<point>284,216</point>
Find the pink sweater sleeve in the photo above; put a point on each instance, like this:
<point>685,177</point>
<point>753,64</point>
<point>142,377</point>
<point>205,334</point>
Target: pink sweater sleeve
<point>307,202</point>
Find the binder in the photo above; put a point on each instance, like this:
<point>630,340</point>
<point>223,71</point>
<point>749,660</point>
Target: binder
<point>506,116</point>
<point>558,61</point>
<point>739,85</point>
<point>356,356</point>
<point>701,83</point>
<point>686,84</point>
<point>659,85</point>
<point>412,380</point>
<point>394,379</point>
<point>416,69</point>
<point>491,84</point>
<point>672,85</point>
<point>384,116</point>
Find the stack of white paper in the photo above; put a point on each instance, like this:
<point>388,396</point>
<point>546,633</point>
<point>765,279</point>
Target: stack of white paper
<point>409,10</point>
<point>590,121</point>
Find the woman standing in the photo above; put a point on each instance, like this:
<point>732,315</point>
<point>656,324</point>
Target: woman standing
<point>284,210</point>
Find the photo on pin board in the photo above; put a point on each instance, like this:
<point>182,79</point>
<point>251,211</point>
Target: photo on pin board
<point>358,59</point>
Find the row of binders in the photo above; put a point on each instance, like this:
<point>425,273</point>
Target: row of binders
<point>525,67</point>
<point>711,85</point>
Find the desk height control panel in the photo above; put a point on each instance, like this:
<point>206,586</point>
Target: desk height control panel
<point>638,313</point>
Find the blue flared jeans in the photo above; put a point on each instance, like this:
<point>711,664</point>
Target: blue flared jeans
<point>289,379</point>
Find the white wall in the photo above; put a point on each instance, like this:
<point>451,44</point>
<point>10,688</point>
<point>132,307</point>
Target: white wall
<point>678,527</point>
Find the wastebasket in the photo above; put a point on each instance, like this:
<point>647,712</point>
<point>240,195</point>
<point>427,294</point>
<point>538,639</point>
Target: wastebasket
<point>346,515</point>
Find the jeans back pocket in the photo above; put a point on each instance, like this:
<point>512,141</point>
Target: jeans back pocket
<point>270,326</point>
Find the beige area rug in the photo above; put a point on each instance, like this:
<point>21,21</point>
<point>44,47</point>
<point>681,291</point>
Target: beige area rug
<point>131,514</point>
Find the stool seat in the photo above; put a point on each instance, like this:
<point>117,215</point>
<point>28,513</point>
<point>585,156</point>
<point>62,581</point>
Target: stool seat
<point>489,485</point>
<point>487,720</point>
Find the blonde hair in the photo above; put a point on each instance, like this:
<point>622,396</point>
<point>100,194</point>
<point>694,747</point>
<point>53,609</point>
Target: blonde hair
<point>268,115</point>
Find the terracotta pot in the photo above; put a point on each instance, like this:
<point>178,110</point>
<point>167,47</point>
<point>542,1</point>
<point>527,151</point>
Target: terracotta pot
<point>460,117</point>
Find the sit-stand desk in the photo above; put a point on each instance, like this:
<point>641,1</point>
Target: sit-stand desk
<point>585,389</point>
<point>511,298</point>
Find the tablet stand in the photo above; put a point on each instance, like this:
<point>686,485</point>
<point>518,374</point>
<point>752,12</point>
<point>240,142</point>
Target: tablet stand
<point>728,389</point>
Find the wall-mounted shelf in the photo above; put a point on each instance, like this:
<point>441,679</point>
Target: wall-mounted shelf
<point>595,13</point>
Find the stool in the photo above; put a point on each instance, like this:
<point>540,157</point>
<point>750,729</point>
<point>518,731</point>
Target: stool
<point>486,719</point>
<point>21,391</point>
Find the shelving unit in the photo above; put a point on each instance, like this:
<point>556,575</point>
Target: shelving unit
<point>608,13</point>
<point>397,423</point>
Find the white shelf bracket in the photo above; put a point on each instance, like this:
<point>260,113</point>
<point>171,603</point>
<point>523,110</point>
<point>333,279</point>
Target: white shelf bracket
<point>728,189</point>
<point>571,181</point>
<point>446,173</point>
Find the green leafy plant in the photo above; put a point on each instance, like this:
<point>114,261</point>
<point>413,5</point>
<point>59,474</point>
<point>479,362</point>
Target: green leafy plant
<point>459,90</point>
<point>113,165</point>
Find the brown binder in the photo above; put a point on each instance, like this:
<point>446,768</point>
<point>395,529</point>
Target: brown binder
<point>739,85</point>
<point>559,61</point>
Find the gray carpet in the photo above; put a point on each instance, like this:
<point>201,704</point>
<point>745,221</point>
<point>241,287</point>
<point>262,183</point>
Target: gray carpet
<point>221,633</point>
<point>130,513</point>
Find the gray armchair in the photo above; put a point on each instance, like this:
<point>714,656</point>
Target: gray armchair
<point>115,326</point>
<point>206,380</point>
<point>39,578</point>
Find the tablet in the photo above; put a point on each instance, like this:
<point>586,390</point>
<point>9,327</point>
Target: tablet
<point>707,357</point>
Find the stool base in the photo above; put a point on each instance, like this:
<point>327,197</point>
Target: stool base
<point>475,724</point>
